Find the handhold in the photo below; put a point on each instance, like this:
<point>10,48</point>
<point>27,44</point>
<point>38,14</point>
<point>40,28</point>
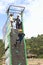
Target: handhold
<point>19,63</point>
<point>17,51</point>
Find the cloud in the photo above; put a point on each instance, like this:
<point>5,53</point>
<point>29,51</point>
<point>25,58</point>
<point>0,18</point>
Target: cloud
<point>34,23</point>
<point>1,7</point>
<point>4,4</point>
<point>8,1</point>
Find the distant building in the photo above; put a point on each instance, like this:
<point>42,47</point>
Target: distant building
<point>29,55</point>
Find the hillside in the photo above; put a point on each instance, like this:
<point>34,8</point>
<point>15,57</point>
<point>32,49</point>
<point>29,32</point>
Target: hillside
<point>34,45</point>
<point>1,48</point>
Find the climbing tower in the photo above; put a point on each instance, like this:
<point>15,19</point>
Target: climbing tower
<point>14,55</point>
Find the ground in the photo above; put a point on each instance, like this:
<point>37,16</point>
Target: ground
<point>35,61</point>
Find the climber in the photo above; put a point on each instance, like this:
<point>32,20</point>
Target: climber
<point>20,37</point>
<point>18,23</point>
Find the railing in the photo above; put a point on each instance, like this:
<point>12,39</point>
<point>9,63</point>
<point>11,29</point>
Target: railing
<point>6,29</point>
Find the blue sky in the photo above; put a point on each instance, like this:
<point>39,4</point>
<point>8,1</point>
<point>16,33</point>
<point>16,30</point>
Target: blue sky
<point>33,15</point>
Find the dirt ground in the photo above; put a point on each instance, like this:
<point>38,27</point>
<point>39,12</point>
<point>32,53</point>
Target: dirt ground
<point>35,61</point>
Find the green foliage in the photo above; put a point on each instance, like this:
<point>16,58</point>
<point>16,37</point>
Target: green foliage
<point>35,45</point>
<point>2,49</point>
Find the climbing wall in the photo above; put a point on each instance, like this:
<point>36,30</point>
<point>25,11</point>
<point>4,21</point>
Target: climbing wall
<point>18,54</point>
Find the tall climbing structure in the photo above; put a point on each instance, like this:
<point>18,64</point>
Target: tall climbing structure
<point>14,55</point>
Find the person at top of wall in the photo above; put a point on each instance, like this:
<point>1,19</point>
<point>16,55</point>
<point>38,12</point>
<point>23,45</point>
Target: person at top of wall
<point>18,23</point>
<point>11,19</point>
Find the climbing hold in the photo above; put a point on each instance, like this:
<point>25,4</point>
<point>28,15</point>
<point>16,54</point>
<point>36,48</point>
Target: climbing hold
<point>17,51</point>
<point>19,63</point>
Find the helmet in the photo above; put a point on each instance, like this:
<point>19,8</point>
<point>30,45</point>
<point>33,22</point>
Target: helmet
<point>11,14</point>
<point>20,30</point>
<point>17,16</point>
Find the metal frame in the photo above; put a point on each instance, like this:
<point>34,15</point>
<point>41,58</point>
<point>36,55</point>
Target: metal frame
<point>15,11</point>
